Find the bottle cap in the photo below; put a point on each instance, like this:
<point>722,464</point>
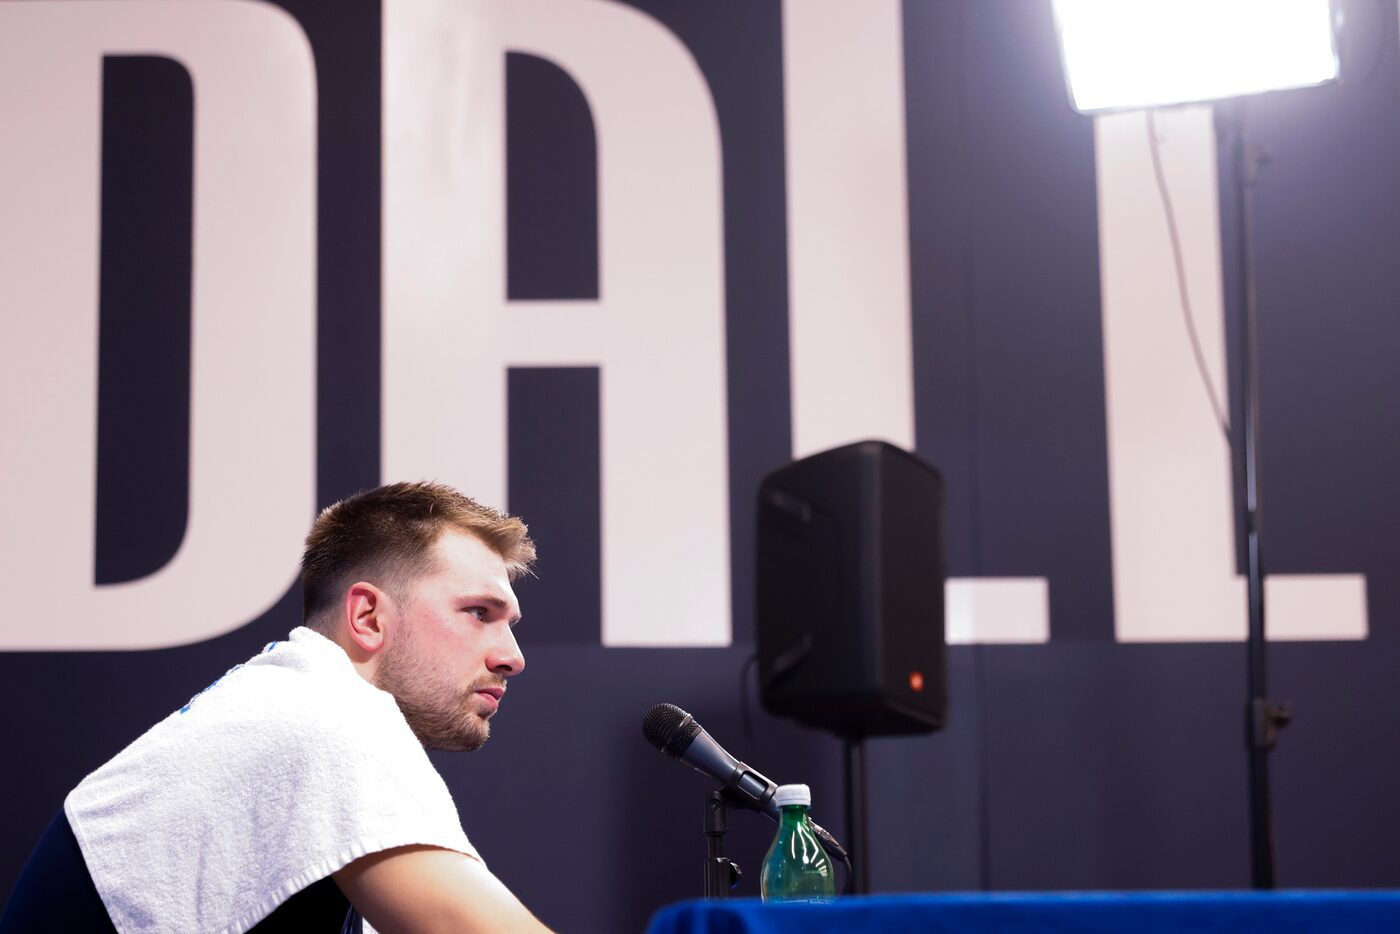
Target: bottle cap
<point>793,794</point>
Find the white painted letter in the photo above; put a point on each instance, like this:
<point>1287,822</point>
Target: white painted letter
<point>252,441</point>
<point>848,265</point>
<point>656,331</point>
<point>848,227</point>
<point>1174,574</point>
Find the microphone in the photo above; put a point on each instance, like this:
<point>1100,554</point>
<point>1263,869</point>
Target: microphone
<point>675,733</point>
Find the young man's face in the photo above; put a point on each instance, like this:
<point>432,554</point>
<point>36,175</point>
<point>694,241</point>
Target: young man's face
<point>452,647</point>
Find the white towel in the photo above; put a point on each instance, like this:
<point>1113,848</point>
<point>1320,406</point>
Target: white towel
<point>284,770</point>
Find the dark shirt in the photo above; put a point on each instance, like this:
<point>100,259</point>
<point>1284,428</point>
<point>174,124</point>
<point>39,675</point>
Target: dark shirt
<point>55,893</point>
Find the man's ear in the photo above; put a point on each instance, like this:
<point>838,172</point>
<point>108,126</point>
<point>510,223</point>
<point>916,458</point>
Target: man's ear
<point>366,609</point>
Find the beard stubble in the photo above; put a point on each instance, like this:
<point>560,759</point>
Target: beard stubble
<point>440,714</point>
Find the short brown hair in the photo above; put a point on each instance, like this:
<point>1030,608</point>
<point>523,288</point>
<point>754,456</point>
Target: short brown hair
<point>385,535</point>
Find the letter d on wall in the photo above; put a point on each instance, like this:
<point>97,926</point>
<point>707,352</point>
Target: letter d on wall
<point>252,437</point>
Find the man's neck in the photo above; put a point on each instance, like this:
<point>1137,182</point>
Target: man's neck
<point>365,664</point>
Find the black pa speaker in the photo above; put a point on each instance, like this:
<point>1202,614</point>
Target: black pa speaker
<point>850,592</point>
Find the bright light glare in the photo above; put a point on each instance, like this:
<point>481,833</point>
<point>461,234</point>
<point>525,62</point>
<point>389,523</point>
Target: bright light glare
<point>1124,54</point>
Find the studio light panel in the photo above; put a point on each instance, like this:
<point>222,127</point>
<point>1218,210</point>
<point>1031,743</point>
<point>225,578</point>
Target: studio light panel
<point>1126,54</point>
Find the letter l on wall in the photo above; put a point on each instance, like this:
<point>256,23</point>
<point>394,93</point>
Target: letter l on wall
<point>1172,510</point>
<point>848,264</point>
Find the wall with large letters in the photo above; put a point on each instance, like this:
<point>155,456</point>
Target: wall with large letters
<point>607,264</point>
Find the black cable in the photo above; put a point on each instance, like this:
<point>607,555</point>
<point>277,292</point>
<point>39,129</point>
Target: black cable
<point>1165,193</point>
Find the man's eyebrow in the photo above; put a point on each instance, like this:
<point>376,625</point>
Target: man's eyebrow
<point>489,599</point>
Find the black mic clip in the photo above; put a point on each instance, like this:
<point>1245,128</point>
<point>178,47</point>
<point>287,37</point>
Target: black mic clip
<point>747,787</point>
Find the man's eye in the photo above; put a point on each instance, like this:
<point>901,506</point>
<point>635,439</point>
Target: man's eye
<point>478,611</point>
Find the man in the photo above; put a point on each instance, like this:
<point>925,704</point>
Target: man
<point>297,785</point>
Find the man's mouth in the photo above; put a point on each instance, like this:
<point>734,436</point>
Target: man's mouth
<point>492,695</point>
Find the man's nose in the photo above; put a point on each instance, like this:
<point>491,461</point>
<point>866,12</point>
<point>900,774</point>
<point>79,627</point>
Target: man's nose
<point>506,657</point>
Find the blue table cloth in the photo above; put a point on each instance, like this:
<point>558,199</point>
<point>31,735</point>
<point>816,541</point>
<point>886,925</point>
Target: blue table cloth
<point>1285,912</point>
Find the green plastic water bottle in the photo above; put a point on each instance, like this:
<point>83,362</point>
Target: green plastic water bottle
<point>796,868</point>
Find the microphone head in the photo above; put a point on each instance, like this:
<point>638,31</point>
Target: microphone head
<point>670,729</point>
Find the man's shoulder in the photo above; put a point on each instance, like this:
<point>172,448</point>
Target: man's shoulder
<point>298,705</point>
<point>308,698</point>
<point>282,771</point>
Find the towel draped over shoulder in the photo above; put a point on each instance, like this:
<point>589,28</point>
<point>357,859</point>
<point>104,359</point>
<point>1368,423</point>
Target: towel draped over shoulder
<point>283,771</point>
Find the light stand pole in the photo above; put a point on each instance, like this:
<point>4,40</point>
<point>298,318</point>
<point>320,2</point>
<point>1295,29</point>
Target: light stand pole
<point>1156,53</point>
<point>1263,719</point>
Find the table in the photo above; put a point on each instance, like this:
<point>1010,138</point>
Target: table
<point>1282,912</point>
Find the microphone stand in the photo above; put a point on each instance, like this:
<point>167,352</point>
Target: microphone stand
<point>721,873</point>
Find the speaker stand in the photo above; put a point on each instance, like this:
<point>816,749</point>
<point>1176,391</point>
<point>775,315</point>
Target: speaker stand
<point>857,815</point>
